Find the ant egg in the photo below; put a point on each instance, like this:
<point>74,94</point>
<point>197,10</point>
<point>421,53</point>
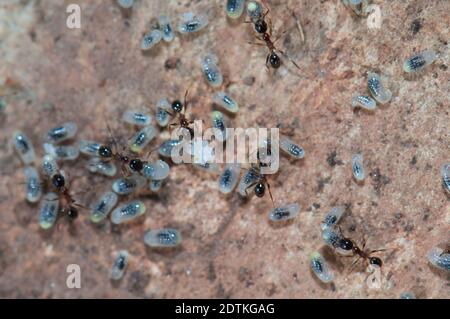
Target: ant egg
<point>126,4</point>
<point>162,114</point>
<point>155,185</point>
<point>89,148</point>
<point>127,185</point>
<point>407,295</point>
<point>104,205</point>
<point>438,258</point>
<point>166,147</point>
<point>24,148</point>
<point>358,167</point>
<point>211,71</point>
<point>229,177</point>
<point>165,237</point>
<point>235,8</point>
<point>61,133</point>
<point>320,267</point>
<point>192,23</point>
<point>419,61</point>
<point>119,265</point>
<point>250,177</point>
<point>155,171</point>
<point>151,39</point>
<point>331,237</point>
<point>291,148</point>
<point>49,210</point>
<point>127,212</point>
<point>33,184</point>
<point>283,213</point>
<point>333,217</point>
<point>49,165</point>
<point>63,152</point>
<point>218,122</point>
<point>226,101</point>
<point>365,102</point>
<point>166,28</point>
<point>254,10</point>
<point>142,138</point>
<point>96,165</point>
<point>377,89</point>
<point>136,118</point>
<point>445,174</point>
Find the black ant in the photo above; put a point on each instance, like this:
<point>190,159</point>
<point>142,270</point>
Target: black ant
<point>349,245</point>
<point>67,202</point>
<point>255,178</point>
<point>183,121</point>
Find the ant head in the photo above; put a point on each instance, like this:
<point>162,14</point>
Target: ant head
<point>261,26</point>
<point>72,213</point>
<point>346,244</point>
<point>375,261</point>
<point>177,106</point>
<point>105,151</point>
<point>260,189</point>
<point>136,165</point>
<point>58,181</point>
<point>274,60</point>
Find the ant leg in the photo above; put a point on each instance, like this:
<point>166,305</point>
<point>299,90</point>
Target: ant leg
<point>267,61</point>
<point>280,36</point>
<point>270,193</point>
<point>111,136</point>
<point>286,56</point>
<point>256,43</point>
<point>252,184</point>
<point>353,266</point>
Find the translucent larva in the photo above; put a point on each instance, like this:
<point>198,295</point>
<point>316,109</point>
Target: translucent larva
<point>225,101</point>
<point>211,71</point>
<point>89,148</point>
<point>62,152</point>
<point>32,184</point>
<point>438,258</point>
<point>103,206</point>
<point>136,118</point>
<point>166,237</point>
<point>166,28</point>
<point>283,213</point>
<point>49,210</point>
<point>142,138</point>
<point>119,265</point>
<point>207,167</point>
<point>127,185</point>
<point>151,39</point>
<point>96,165</point>
<point>358,167</point>
<point>163,112</point>
<point>24,148</point>
<point>445,174</point>
<point>250,177</point>
<point>235,8</point>
<point>191,23</point>
<point>376,88</point>
<point>419,61</point>
<point>158,170</point>
<point>219,123</point>
<point>254,10</point>
<point>320,267</point>
<point>61,133</point>
<point>127,212</point>
<point>49,165</point>
<point>126,4</point>
<point>332,218</point>
<point>155,186</point>
<point>365,102</point>
<point>167,146</point>
<point>331,237</point>
<point>407,295</point>
<point>229,177</point>
<point>290,148</point>
<point>360,7</point>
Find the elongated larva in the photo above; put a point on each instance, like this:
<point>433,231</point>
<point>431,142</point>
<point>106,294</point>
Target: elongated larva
<point>136,118</point>
<point>49,210</point>
<point>235,8</point>
<point>320,267</point>
<point>127,185</point>
<point>166,28</point>
<point>358,167</point>
<point>445,174</point>
<point>89,148</point>
<point>33,184</point>
<point>162,112</point>
<point>211,71</point>
<point>62,152</point>
<point>365,102</point>
<point>103,206</point>
<point>155,186</point>
<point>419,61</point>
<point>61,133</point>
<point>119,265</point>
<point>127,212</point>
<point>254,10</point>
<point>376,88</point>
<point>290,148</point>
<point>249,178</point>
<point>166,147</point>
<point>331,237</point>
<point>142,138</point>
<point>283,213</point>
<point>96,165</point>
<point>126,4</point>
<point>218,122</point>
<point>332,218</point>
<point>438,258</point>
<point>166,237</point>
<point>407,295</point>
<point>49,165</point>
<point>207,167</point>
<point>229,177</point>
<point>151,39</point>
<point>155,170</point>
<point>24,148</point>
<point>227,102</point>
<point>191,23</point>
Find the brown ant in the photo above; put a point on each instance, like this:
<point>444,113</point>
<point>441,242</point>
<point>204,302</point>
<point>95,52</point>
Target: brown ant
<point>349,245</point>
<point>183,121</point>
<point>69,204</point>
<point>255,178</point>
